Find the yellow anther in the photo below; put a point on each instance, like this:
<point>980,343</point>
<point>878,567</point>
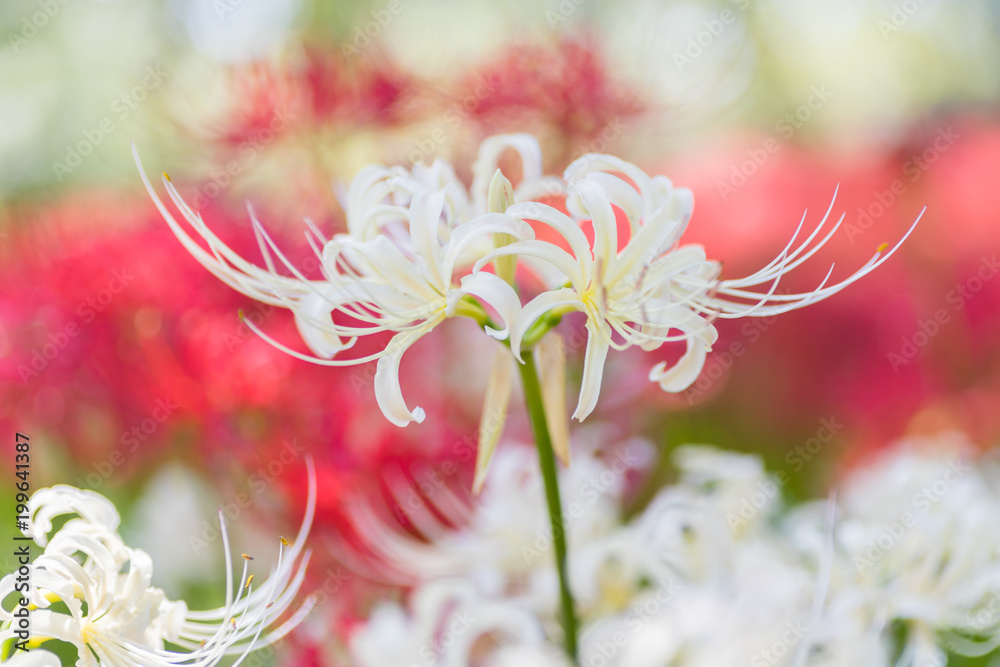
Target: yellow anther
<point>245,557</point>
<point>284,542</point>
<point>883,247</point>
<point>167,176</point>
<point>249,581</point>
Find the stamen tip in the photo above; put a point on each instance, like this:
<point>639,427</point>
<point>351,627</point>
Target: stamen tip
<point>283,541</point>
<point>166,176</point>
<point>882,248</point>
<point>246,557</point>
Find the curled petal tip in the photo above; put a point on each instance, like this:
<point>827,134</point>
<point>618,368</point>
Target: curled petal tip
<point>500,334</point>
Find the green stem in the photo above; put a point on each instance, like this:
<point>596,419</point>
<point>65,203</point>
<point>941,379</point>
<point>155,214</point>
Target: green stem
<point>547,463</point>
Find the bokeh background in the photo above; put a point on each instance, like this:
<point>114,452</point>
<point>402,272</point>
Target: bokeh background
<point>127,365</point>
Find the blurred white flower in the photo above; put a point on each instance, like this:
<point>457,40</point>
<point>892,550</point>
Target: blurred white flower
<point>448,619</point>
<point>919,545</point>
<point>681,584</point>
<point>504,544</point>
<point>111,613</point>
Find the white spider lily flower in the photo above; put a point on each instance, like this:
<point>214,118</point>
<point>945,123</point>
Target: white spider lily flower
<point>919,544</point>
<point>504,543</point>
<point>403,266</point>
<point>112,614</point>
<point>33,658</point>
<point>652,291</point>
<point>448,619</point>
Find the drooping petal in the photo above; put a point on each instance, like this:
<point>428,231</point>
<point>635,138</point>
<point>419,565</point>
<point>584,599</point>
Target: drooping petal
<point>538,307</point>
<point>682,374</point>
<point>388,393</point>
<point>312,318</point>
<point>495,292</point>
<point>593,369</point>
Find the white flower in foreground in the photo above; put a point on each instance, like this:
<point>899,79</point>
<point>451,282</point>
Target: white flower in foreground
<point>919,545</point>
<point>448,621</point>
<point>34,658</point>
<point>901,568</point>
<point>111,613</point>
<point>652,291</point>
<point>403,266</point>
<point>505,543</point>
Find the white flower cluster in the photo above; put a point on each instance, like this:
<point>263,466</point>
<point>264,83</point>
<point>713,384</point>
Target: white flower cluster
<point>902,568</point>
<point>418,244</point>
<point>91,590</point>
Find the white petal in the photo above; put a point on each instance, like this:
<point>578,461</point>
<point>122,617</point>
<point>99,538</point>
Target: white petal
<point>388,393</point>
<point>622,194</point>
<point>425,218</point>
<point>490,223</point>
<point>597,162</point>
<point>593,371</point>
<point>312,318</point>
<point>553,254</point>
<point>589,200</point>
<point>687,369</point>
<point>566,226</point>
<point>47,504</point>
<point>536,308</point>
<point>494,291</point>
<point>489,155</point>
